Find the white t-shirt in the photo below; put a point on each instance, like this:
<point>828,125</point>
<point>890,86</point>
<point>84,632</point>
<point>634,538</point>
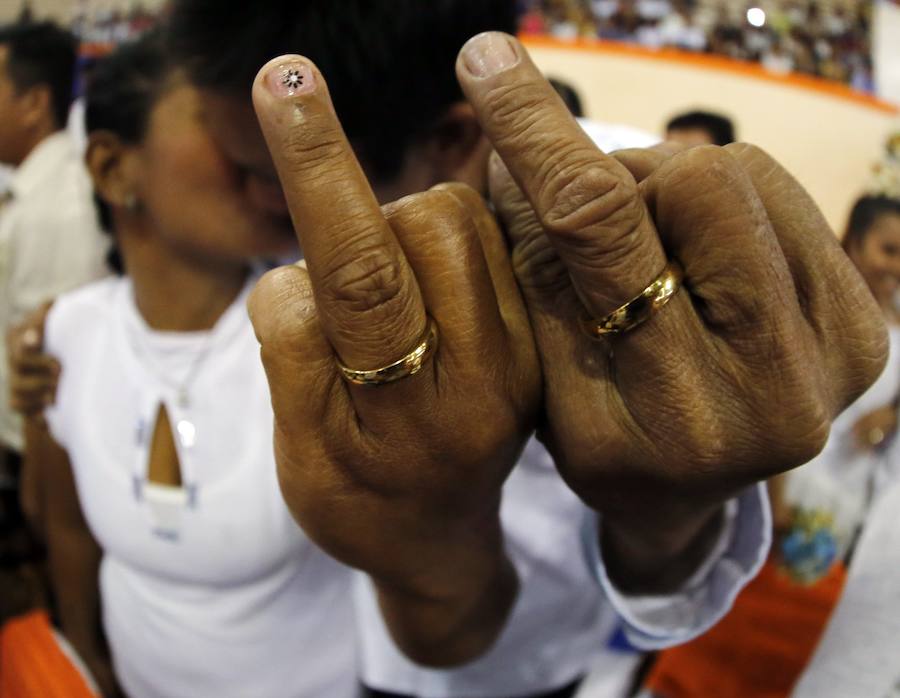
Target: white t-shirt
<point>50,242</point>
<point>212,589</point>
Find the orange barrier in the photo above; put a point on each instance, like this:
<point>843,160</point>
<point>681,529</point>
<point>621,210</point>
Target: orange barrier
<point>718,63</point>
<point>32,665</point>
<point>760,648</point>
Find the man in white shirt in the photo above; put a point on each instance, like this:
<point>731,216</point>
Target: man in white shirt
<point>49,238</point>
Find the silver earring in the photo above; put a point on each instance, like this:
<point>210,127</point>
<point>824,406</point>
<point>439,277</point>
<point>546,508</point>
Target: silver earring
<point>131,202</point>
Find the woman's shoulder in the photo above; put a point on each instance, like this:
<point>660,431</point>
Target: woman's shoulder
<point>82,310</point>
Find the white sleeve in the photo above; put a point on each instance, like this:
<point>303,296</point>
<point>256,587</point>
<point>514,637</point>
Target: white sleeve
<point>656,622</point>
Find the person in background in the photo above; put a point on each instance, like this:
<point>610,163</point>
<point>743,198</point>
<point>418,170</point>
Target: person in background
<point>50,241</point>
<point>701,128</point>
<point>569,96</point>
<point>159,499</point>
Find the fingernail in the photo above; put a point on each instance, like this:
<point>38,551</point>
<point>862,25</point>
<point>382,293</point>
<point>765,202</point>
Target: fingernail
<point>488,54</point>
<point>31,338</point>
<point>289,79</point>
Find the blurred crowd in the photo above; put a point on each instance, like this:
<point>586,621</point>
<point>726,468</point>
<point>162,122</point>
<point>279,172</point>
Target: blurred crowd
<point>103,25</point>
<point>826,39</point>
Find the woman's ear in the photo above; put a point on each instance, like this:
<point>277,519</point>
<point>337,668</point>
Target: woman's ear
<point>112,168</point>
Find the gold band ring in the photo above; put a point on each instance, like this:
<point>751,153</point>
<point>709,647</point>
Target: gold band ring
<point>641,308</point>
<point>409,365</point>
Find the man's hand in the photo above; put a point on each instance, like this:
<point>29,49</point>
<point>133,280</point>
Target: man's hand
<point>401,480</point>
<point>33,375</point>
<point>734,380</point>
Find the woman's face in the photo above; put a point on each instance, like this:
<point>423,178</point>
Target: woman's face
<point>197,201</point>
<point>878,258</point>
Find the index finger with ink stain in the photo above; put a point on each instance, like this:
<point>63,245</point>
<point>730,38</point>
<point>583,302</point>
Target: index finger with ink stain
<point>369,303</point>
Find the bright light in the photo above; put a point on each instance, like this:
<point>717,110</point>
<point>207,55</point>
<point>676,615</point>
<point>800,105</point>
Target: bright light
<point>756,16</point>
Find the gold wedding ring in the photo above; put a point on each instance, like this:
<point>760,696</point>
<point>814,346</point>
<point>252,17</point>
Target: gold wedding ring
<point>641,308</point>
<point>409,365</point>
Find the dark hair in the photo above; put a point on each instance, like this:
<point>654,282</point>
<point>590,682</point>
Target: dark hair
<point>389,63</point>
<point>569,96</point>
<point>720,128</point>
<point>122,89</point>
<point>42,54</point>
<point>866,211</point>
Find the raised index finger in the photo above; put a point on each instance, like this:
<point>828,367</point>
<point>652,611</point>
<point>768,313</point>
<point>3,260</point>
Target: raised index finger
<point>368,300</point>
<point>587,202</point>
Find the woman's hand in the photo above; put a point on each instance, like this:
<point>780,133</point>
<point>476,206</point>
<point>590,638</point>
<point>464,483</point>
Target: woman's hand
<point>733,380</point>
<point>33,375</point>
<point>400,479</point>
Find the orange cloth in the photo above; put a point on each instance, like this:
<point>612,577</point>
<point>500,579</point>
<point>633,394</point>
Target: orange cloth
<point>760,648</point>
<point>32,665</point>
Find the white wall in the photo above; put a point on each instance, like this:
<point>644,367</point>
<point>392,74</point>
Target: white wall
<point>827,140</point>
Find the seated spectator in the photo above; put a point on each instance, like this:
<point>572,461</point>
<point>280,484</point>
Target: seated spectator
<point>700,128</point>
<point>569,95</point>
<point>831,42</point>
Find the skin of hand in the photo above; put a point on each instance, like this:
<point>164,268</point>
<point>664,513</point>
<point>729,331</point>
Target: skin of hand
<point>400,480</point>
<point>33,375</point>
<point>736,379</point>
<point>875,428</point>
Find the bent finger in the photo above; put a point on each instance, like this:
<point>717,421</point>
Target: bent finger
<point>366,295</point>
<point>833,297</point>
<point>296,355</point>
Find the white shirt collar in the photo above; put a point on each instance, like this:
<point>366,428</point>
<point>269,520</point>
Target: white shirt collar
<point>44,159</point>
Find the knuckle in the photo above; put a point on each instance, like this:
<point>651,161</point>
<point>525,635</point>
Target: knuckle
<point>747,152</point>
<point>709,162</point>
<point>516,108</point>
<point>576,204</point>
<point>370,281</point>
<point>537,265</point>
<point>422,206</point>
